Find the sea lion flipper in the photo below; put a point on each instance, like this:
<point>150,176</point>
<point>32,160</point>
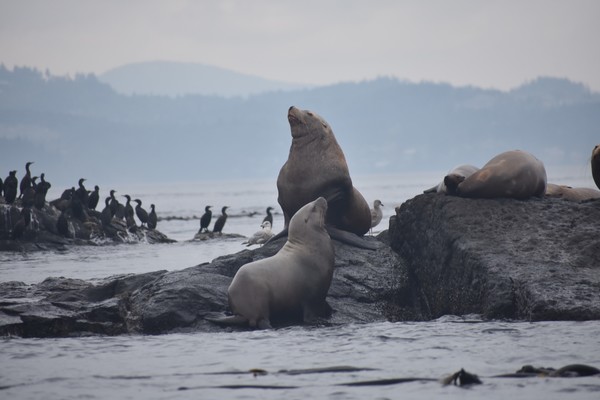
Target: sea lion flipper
<point>351,238</point>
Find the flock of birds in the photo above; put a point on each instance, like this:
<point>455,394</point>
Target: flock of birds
<point>77,203</point>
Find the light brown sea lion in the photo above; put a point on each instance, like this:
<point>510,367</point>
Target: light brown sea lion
<point>596,165</point>
<point>292,283</point>
<point>514,174</point>
<point>458,173</point>
<point>315,167</point>
<point>570,193</point>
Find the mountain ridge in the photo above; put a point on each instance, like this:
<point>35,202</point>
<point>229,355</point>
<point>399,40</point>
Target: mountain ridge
<point>384,126</point>
<point>177,79</point>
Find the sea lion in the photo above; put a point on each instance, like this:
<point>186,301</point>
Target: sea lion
<point>514,174</point>
<point>596,165</point>
<point>460,172</point>
<point>292,283</point>
<point>570,193</point>
<point>316,166</point>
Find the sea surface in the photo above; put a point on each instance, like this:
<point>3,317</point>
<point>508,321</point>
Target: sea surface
<point>361,361</point>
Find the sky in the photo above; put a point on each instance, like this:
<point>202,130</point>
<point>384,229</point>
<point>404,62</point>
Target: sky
<point>490,44</point>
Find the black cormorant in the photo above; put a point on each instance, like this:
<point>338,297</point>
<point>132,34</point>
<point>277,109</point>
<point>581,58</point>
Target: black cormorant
<point>93,198</point>
<point>26,180</point>
<point>152,220</point>
<point>11,185</point>
<point>82,193</point>
<point>1,186</point>
<point>21,224</point>
<point>129,220</point>
<point>205,219</point>
<point>28,199</point>
<point>41,189</point>
<point>106,214</point>
<point>269,216</point>
<point>140,212</point>
<point>220,221</point>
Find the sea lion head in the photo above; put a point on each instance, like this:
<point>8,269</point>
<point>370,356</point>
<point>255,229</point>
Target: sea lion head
<point>304,123</point>
<point>310,217</point>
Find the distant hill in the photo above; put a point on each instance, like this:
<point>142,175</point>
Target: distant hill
<point>176,79</point>
<point>81,127</point>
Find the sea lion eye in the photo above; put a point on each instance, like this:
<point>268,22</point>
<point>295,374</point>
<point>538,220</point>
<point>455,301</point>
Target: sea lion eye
<point>309,113</point>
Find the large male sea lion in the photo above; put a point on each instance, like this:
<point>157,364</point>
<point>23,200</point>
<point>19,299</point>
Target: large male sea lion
<point>460,172</point>
<point>515,174</point>
<point>315,167</point>
<point>596,165</point>
<point>292,283</point>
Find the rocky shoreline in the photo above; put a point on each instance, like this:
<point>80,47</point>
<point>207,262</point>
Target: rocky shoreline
<point>502,259</point>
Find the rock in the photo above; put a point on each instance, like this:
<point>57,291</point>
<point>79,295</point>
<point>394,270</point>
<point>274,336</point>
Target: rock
<point>42,232</point>
<point>501,258</point>
<point>364,284</point>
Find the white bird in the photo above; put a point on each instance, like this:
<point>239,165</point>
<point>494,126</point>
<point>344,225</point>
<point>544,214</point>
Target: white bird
<point>376,214</point>
<point>261,236</point>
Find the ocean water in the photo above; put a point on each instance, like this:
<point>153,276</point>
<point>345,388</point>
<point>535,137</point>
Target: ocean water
<point>288,363</point>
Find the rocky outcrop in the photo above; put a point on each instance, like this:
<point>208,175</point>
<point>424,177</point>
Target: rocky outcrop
<point>528,260</point>
<point>365,284</point>
<point>534,260</point>
<point>43,232</point>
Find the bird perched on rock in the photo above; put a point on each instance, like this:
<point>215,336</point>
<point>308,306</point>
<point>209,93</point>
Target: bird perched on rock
<point>220,223</point>
<point>82,193</point>
<point>205,219</point>
<point>106,215</point>
<point>11,185</point>
<point>129,220</point>
<point>152,220</point>
<point>269,216</point>
<point>93,198</point>
<point>376,214</point>
<point>261,236</point>
<point>141,213</point>
<point>26,180</point>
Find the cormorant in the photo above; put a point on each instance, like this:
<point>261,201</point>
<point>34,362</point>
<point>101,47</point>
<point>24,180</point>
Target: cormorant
<point>129,220</point>
<point>11,184</point>
<point>26,180</point>
<point>1,187</point>
<point>269,216</point>
<point>82,193</point>
<point>152,220</point>
<point>205,219</point>
<point>28,199</point>
<point>77,207</point>
<point>93,198</point>
<point>220,221</point>
<point>106,214</point>
<point>140,212</point>
<point>21,224</point>
<point>118,210</point>
<point>41,189</point>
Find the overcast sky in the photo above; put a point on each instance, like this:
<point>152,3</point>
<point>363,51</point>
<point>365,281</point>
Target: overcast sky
<point>498,44</point>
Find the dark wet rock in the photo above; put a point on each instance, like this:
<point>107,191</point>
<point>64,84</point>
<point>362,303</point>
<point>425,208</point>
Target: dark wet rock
<point>501,258</point>
<point>43,234</point>
<point>526,260</point>
<point>364,284</point>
